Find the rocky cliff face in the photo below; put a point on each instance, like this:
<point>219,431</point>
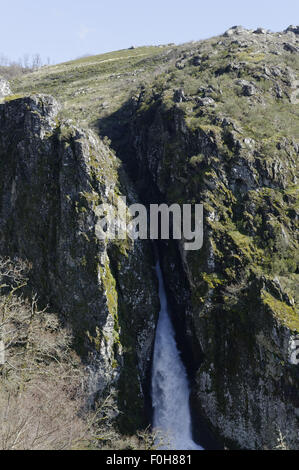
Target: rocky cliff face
<point>218,125</point>
<point>53,177</point>
<point>235,298</point>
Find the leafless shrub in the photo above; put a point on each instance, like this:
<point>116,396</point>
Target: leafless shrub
<point>42,380</point>
<point>42,415</point>
<point>43,383</point>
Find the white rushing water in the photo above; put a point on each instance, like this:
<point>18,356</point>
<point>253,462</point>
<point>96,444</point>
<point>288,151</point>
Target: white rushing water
<point>170,388</point>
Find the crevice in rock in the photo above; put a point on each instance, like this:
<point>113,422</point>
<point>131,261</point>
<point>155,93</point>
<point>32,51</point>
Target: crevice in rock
<point>122,142</point>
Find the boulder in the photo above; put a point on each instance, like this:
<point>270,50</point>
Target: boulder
<point>234,30</point>
<point>292,29</point>
<point>205,101</point>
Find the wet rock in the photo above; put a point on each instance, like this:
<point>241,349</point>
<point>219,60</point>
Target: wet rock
<point>248,89</point>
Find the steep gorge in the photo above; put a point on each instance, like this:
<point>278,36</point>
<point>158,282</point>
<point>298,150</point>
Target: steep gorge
<point>218,126</point>
<point>224,297</point>
<point>235,298</point>
<point>53,178</point>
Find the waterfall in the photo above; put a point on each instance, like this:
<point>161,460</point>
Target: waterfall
<point>170,388</point>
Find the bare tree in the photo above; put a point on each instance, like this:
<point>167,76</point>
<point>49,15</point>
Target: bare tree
<point>43,384</point>
<point>36,62</point>
<point>41,380</point>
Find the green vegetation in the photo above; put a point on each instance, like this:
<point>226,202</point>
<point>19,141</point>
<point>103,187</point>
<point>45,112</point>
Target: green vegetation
<point>286,314</point>
<point>213,122</point>
<point>94,87</point>
<point>41,364</point>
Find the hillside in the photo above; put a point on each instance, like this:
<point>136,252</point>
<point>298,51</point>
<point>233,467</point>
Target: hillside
<point>94,87</point>
<point>213,122</point>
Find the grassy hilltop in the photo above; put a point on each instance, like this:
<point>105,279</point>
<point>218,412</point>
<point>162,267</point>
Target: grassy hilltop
<point>214,121</point>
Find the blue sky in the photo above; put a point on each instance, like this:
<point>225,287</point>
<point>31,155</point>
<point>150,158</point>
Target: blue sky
<point>66,29</point>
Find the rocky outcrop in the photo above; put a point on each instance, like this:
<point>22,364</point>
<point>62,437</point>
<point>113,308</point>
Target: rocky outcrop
<point>292,29</point>
<point>4,88</point>
<point>234,300</point>
<point>217,125</point>
<point>53,178</point>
